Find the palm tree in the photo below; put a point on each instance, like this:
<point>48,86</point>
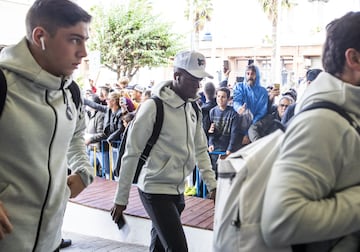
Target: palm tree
<point>198,12</point>
<point>272,9</point>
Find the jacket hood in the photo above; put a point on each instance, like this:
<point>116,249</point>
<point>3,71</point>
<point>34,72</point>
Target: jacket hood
<point>18,59</point>
<point>164,91</point>
<point>326,87</point>
<point>257,80</point>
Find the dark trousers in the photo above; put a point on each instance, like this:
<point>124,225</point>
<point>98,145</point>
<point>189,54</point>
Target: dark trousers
<point>214,158</point>
<point>167,233</point>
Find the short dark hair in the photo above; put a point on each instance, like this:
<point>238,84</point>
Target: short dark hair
<point>95,98</point>
<point>311,74</point>
<point>224,89</point>
<point>54,14</point>
<point>341,34</point>
<point>147,93</point>
<point>107,89</point>
<point>209,89</point>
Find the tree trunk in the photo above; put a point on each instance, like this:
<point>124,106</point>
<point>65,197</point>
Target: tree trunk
<point>275,57</point>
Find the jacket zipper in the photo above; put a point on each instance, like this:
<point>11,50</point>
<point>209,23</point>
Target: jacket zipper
<point>187,140</point>
<point>50,179</point>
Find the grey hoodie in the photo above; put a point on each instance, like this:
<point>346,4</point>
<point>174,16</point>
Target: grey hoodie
<point>313,192</point>
<point>181,145</point>
<point>38,143</point>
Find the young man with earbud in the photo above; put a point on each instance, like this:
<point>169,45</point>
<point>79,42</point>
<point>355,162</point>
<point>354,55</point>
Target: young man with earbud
<point>41,127</point>
<point>181,145</point>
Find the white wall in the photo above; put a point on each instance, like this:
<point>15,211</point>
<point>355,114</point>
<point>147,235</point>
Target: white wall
<point>12,20</point>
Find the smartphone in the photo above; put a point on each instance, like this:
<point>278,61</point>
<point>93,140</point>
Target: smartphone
<point>277,86</point>
<point>239,79</point>
<point>121,222</point>
<point>226,66</point>
<point>122,100</point>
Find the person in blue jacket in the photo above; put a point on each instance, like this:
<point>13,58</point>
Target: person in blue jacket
<point>251,95</point>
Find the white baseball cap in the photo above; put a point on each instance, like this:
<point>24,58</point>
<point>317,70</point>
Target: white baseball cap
<point>192,62</point>
<point>139,88</point>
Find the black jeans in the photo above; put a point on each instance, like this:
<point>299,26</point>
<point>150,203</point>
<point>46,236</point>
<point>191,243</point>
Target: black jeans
<point>167,233</point>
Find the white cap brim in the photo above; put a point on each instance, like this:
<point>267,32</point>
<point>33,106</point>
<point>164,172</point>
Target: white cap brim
<point>200,74</point>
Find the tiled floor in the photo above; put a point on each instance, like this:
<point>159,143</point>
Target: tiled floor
<point>83,243</point>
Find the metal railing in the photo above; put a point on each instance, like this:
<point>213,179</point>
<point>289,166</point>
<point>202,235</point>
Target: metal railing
<point>200,192</point>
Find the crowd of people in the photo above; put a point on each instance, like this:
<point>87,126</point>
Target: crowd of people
<point>109,109</point>
<point>232,115</point>
<point>321,188</point>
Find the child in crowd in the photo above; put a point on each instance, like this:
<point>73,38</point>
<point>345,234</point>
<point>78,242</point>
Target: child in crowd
<point>224,131</point>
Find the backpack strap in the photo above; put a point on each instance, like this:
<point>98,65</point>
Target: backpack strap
<point>154,136</point>
<point>336,108</point>
<point>157,125</point>
<point>196,107</point>
<point>73,87</point>
<point>75,93</point>
<point>3,91</point>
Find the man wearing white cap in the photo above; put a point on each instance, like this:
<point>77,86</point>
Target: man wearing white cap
<point>181,145</point>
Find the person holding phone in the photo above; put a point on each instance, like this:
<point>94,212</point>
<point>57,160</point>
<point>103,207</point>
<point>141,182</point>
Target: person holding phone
<point>180,147</point>
<point>224,131</point>
<point>250,95</point>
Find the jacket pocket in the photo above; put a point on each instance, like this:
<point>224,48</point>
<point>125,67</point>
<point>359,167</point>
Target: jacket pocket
<point>160,168</point>
<point>4,189</point>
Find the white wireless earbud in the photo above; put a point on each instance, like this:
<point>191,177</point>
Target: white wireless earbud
<point>177,78</point>
<point>42,43</point>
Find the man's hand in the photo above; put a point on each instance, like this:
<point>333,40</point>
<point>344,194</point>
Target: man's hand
<point>212,195</point>
<point>117,212</point>
<point>211,148</point>
<point>246,140</point>
<point>212,128</point>
<point>124,107</point>
<point>76,185</point>
<point>226,72</point>
<point>87,141</point>
<point>242,109</point>
<point>5,224</point>
<point>273,93</point>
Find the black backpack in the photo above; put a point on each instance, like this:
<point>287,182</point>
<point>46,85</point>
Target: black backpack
<point>73,87</point>
<point>150,143</point>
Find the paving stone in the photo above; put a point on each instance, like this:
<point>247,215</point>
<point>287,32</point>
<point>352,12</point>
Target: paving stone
<point>83,243</point>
